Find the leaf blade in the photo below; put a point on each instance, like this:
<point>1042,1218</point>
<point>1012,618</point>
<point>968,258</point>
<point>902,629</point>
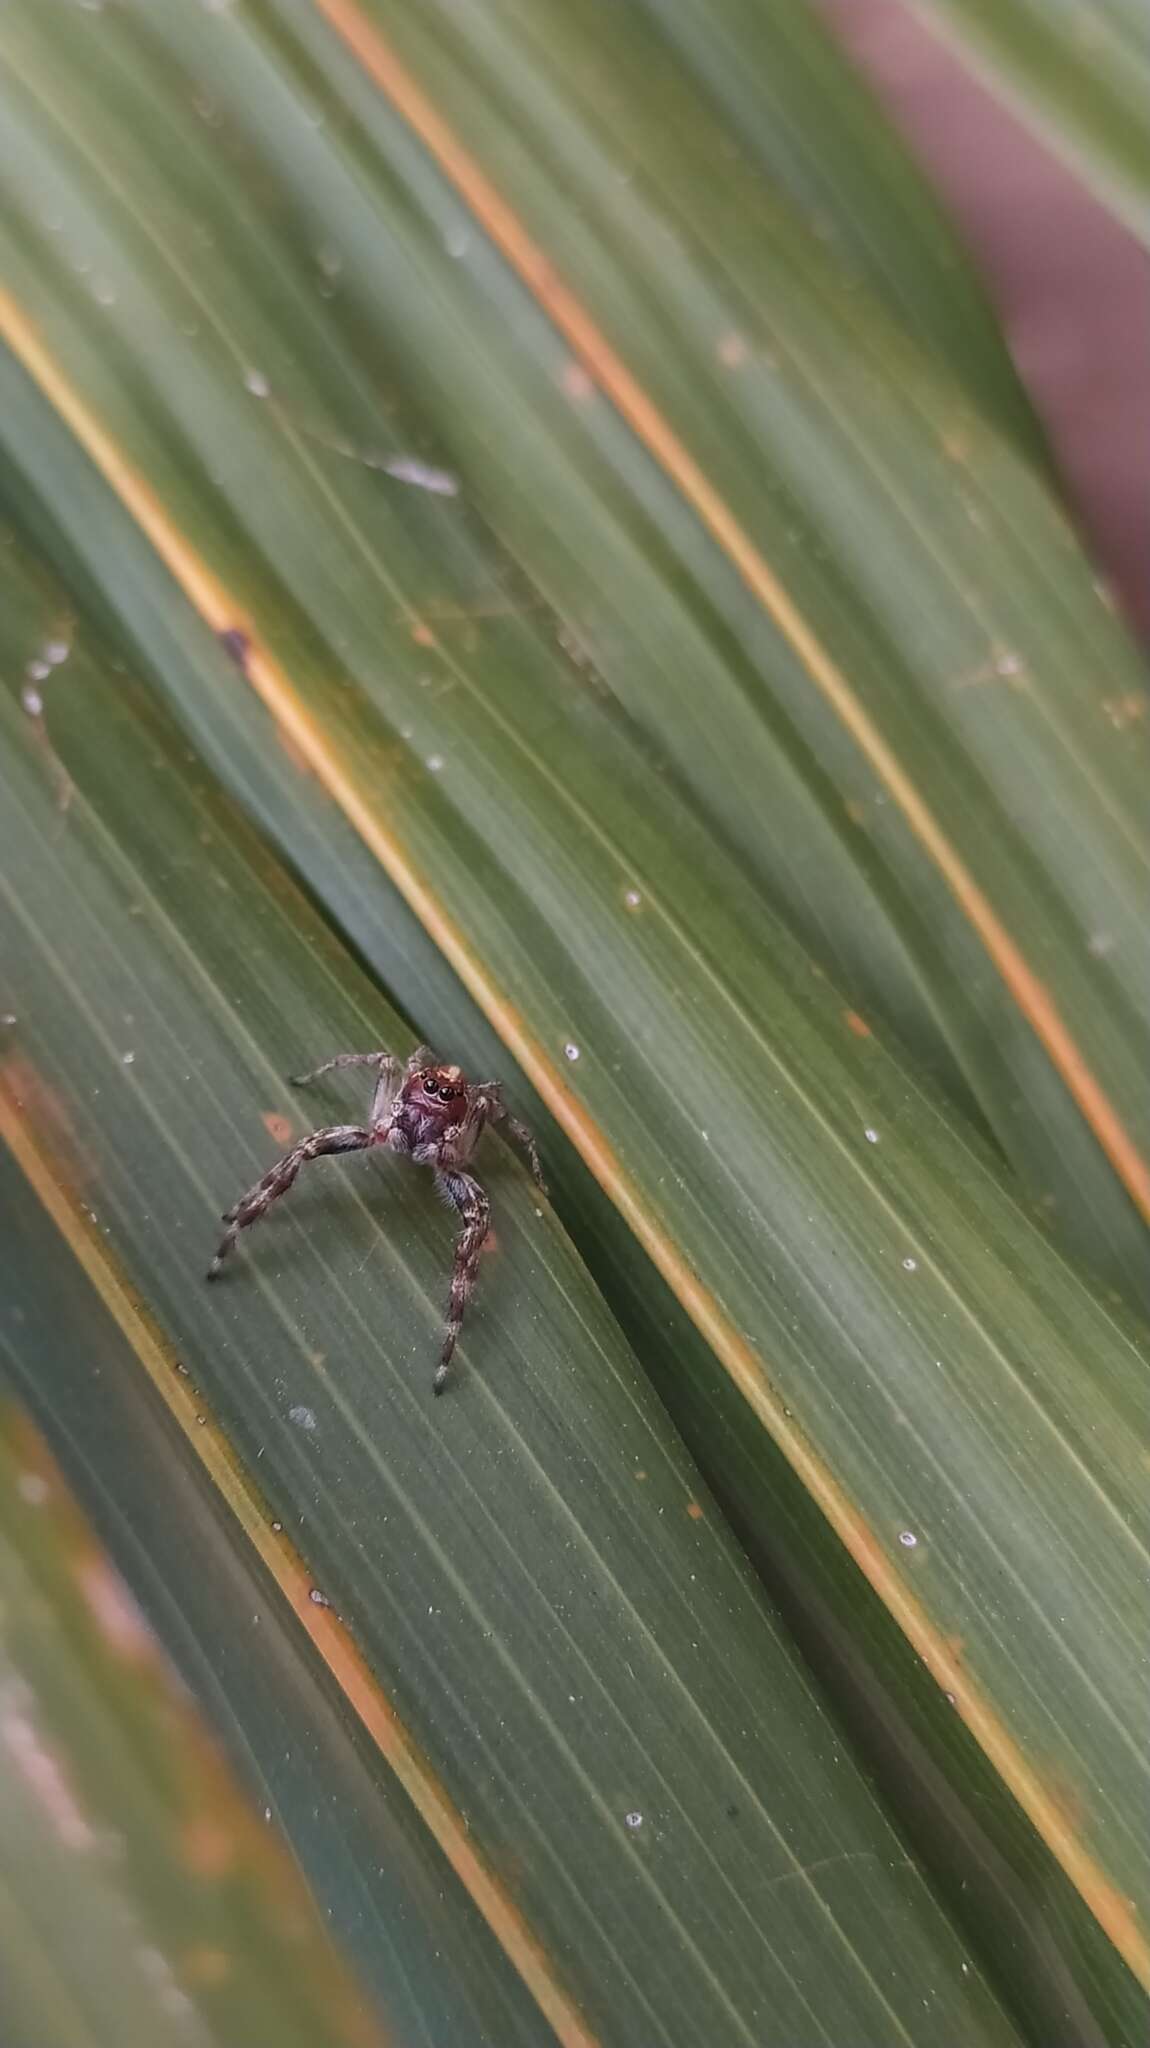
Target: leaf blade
<point>440,845</point>
<point>402,1518</point>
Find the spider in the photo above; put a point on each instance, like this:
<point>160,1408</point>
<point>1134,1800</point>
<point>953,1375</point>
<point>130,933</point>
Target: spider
<point>432,1114</point>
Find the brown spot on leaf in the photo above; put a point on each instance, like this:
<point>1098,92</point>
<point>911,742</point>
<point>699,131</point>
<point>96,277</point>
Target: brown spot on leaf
<point>46,1113</point>
<point>277,1127</point>
<point>732,351</point>
<point>208,1846</point>
<point>422,634</point>
<point>694,1510</point>
<point>237,644</point>
<point>121,1622</point>
<point>576,383</point>
<point>1125,711</point>
<point>204,1968</point>
<point>857,1024</point>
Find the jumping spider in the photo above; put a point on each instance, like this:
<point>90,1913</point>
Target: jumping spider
<point>431,1114</point>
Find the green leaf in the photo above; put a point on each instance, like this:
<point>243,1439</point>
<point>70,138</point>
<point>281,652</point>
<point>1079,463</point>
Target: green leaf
<point>954,1567</point>
<point>554,1615</point>
<point>1000,1883</point>
<point>799,559</point>
<point>141,1901</point>
<point>1078,72</point>
<point>230,1895</point>
<point>599,700</point>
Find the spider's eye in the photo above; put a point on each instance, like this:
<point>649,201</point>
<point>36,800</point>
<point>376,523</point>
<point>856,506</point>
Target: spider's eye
<point>431,1086</point>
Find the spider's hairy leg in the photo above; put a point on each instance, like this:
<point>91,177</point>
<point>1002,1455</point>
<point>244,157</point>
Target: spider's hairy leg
<point>526,1143</point>
<point>465,1194</point>
<point>491,1093</point>
<point>345,1059</point>
<point>388,1070</point>
<point>278,1179</point>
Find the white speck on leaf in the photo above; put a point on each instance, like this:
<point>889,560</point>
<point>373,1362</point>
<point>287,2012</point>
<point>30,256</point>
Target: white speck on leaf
<point>908,1539</point>
<point>910,1265</point>
<point>570,1051</point>
<point>870,1135</point>
<point>406,470</point>
<point>257,384</point>
<point>303,1417</point>
<point>633,1821</point>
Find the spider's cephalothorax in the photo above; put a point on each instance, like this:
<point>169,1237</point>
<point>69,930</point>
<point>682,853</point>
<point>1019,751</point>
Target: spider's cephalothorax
<point>433,1115</point>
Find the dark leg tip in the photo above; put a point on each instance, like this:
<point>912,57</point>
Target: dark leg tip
<point>213,1272</point>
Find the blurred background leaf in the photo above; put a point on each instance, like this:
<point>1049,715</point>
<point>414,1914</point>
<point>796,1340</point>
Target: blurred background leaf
<point>142,1899</point>
<point>1078,72</point>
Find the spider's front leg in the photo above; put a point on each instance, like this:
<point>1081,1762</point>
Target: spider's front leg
<point>464,1193</point>
<point>388,1070</point>
<point>278,1179</point>
<point>490,1094</point>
